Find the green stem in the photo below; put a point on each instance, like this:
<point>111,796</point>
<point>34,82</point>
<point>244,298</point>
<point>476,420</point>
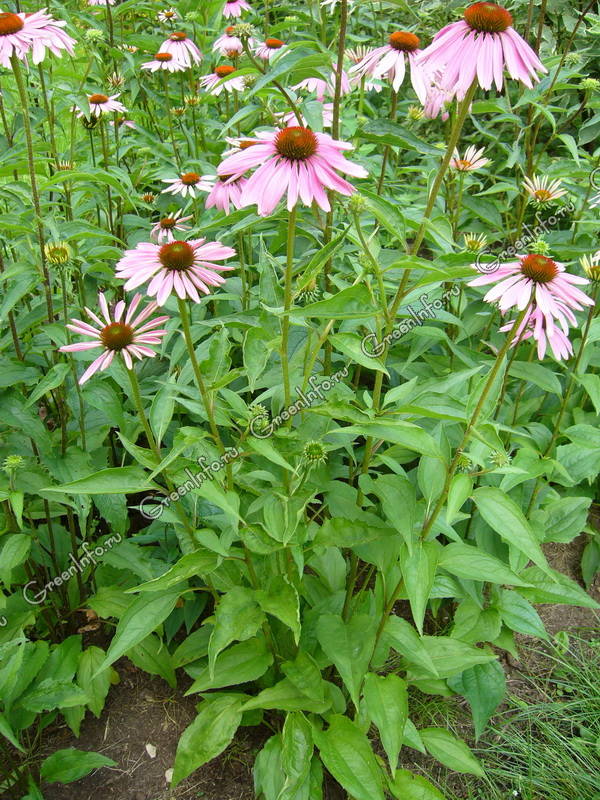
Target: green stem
<point>287,303</point>
<point>16,67</point>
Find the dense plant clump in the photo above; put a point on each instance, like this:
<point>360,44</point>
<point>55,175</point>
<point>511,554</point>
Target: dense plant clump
<point>299,367</point>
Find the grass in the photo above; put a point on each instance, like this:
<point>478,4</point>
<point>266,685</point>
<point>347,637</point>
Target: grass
<point>544,744</point>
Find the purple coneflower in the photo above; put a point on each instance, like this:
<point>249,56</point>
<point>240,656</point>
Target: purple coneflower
<point>24,33</point>
<point>214,84</point>
<point>267,49</point>
<point>296,161</point>
<point>117,334</point>
<point>164,61</point>
<point>180,267</point>
<point>389,62</point>
<point>103,104</point>
<point>226,193</point>
<point>473,159</point>
<point>234,8</point>
<point>182,48</point>
<point>188,183</point>
<point>163,229</point>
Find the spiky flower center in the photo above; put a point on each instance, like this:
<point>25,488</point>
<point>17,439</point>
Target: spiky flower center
<point>178,36</point>
<point>116,336</point>
<point>543,195</point>
<point>488,18</point>
<point>229,30</point>
<point>10,23</point>
<point>148,197</point>
<point>168,223</point>
<point>404,41</point>
<point>539,268</point>
<point>177,256</point>
<point>274,44</point>
<point>57,253</point>
<point>169,14</point>
<point>163,57</point>
<point>224,70</point>
<point>189,178</point>
<point>296,143</point>
<point>98,99</point>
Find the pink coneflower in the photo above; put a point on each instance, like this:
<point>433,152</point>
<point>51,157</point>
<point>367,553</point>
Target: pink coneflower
<point>102,104</point>
<point>168,15</point>
<point>123,122</point>
<point>23,33</point>
<point>536,324</point>
<point>389,61</point>
<point>100,2</point>
<point>323,88</point>
<point>295,160</point>
<point>473,159</point>
<point>117,334</point>
<point>538,278</point>
<point>236,144</point>
<point>163,230</point>
<point>164,61</point>
<point>182,49</point>
<point>226,193</point>
<point>214,84</point>
<point>234,8</point>
<point>229,45</point>
<point>181,267</point>
<point>267,49</point>
<point>437,99</point>
<point>543,190</point>
<point>188,183</point>
<point>479,47</point>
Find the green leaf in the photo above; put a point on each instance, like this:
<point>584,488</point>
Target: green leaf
<point>519,615</point>
<point>286,696</point>
<point>557,588</point>
<point>352,303</point>
<point>349,645</point>
<point>410,436</point>
<point>400,635</point>
<point>339,532</point>
<point>115,480</point>
<point>407,786</point>
<point>451,751</point>
<point>237,617</point>
<point>54,377</point>
<point>386,700</point>
<point>152,656</point>
<point>199,563</point>
<point>8,733</point>
<point>94,681</point>
<point>350,345</point>
<point>504,516</point>
<point>484,686</point>
<point>207,736</point>
<point>451,656</point>
<point>472,563</point>
<point>347,754</point>
<point>241,663</point>
<point>66,766</point>
<point>280,599</point>
<point>296,756</point>
<point>309,272</point>
<point>142,617</point>
<point>418,571</point>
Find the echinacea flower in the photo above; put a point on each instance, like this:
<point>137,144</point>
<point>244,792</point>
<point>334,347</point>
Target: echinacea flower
<point>323,88</point>
<point>100,2</point>
<point>226,193</point>
<point>437,99</point>
<point>188,183</point>
<point>214,84</point>
<point>475,242</point>
<point>536,278</point>
<point>164,61</point>
<point>117,334</point>
<point>181,48</point>
<point>296,161</point>
<point>182,267</point>
<point>103,104</point>
<point>479,47</point>
<point>168,15</point>
<point>591,266</point>
<point>267,49</point>
<point>23,33</point>
<point>122,122</point>
<point>229,45</point>
<point>389,61</point>
<point>473,159</point>
<point>543,190</point>
<point>234,8</point>
<point>536,324</point>
<point>163,230</point>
